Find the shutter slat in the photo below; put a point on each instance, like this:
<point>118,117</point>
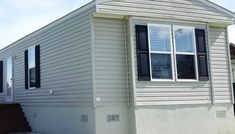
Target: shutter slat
<point>37,60</point>
<point>26,67</point>
<point>202,55</point>
<point>1,76</point>
<point>142,53</point>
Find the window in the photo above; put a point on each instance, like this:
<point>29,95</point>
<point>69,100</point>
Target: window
<point>161,52</point>
<point>32,67</point>
<point>185,52</point>
<point>175,53</point>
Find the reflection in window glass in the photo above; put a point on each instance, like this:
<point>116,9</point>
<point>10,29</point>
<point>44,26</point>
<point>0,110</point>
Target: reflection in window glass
<point>161,66</point>
<point>160,39</point>
<point>9,76</point>
<point>186,67</point>
<point>184,39</point>
<point>32,69</point>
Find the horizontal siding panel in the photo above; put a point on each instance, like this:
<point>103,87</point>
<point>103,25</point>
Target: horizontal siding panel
<point>177,94</point>
<point>164,103</point>
<point>175,98</point>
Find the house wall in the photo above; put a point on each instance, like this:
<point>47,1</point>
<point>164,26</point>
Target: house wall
<point>233,70</point>
<point>179,12</point>
<point>65,48</point>
<point>110,62</point>
<point>176,107</point>
<point>193,10</point>
<point>185,119</point>
<point>61,120</point>
<point>111,74</point>
<point>159,106</point>
<point>173,107</point>
<point>66,69</point>
<point>220,65</point>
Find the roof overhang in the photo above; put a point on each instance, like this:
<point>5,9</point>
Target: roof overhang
<point>218,7</point>
<point>207,2</point>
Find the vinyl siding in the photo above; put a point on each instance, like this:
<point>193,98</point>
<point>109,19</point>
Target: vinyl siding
<point>65,62</point>
<point>110,62</point>
<point>220,65</point>
<point>169,93</point>
<point>193,10</point>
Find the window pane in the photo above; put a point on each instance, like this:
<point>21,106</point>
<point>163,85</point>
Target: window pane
<point>31,55</point>
<point>160,39</point>
<point>32,77</point>
<point>186,66</point>
<point>9,76</point>
<point>32,70</point>
<point>184,39</point>
<point>161,66</point>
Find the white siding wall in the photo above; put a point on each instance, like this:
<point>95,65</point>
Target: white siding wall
<point>174,9</point>
<point>220,65</point>
<point>65,62</point>
<point>110,62</point>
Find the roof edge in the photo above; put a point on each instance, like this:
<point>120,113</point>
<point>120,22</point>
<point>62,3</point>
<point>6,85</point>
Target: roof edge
<point>208,2</point>
<point>218,7</point>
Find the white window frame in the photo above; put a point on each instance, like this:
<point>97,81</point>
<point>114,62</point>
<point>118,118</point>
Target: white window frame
<point>185,53</point>
<point>160,52</point>
<point>29,67</point>
<point>173,54</point>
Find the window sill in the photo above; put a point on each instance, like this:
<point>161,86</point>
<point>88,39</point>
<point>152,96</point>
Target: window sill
<point>32,88</point>
<point>175,81</point>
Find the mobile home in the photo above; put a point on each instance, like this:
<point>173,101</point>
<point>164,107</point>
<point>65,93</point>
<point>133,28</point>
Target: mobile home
<point>126,67</point>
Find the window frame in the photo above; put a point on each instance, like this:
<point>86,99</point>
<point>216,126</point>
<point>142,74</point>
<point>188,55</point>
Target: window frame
<point>173,54</point>
<point>160,52</point>
<point>34,47</point>
<point>185,53</point>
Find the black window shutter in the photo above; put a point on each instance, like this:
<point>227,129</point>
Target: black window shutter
<point>26,67</point>
<point>202,55</point>
<point>37,60</point>
<point>142,52</point>
<point>1,76</point>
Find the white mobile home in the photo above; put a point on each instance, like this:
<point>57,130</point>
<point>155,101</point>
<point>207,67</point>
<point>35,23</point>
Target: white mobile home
<point>125,67</point>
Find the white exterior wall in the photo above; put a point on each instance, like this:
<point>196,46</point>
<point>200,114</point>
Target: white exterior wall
<point>66,68</point>
<point>111,85</point>
<point>203,119</point>
<point>65,50</point>
<point>220,65</point>
<point>61,120</point>
<point>176,107</point>
<point>110,62</point>
<point>179,12</point>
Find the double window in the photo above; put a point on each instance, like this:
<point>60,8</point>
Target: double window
<point>172,52</point>
<point>32,67</point>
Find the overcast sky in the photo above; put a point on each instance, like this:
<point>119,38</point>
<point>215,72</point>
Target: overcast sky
<point>21,17</point>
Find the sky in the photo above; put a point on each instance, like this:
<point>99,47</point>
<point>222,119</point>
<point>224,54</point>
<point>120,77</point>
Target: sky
<point>18,18</point>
